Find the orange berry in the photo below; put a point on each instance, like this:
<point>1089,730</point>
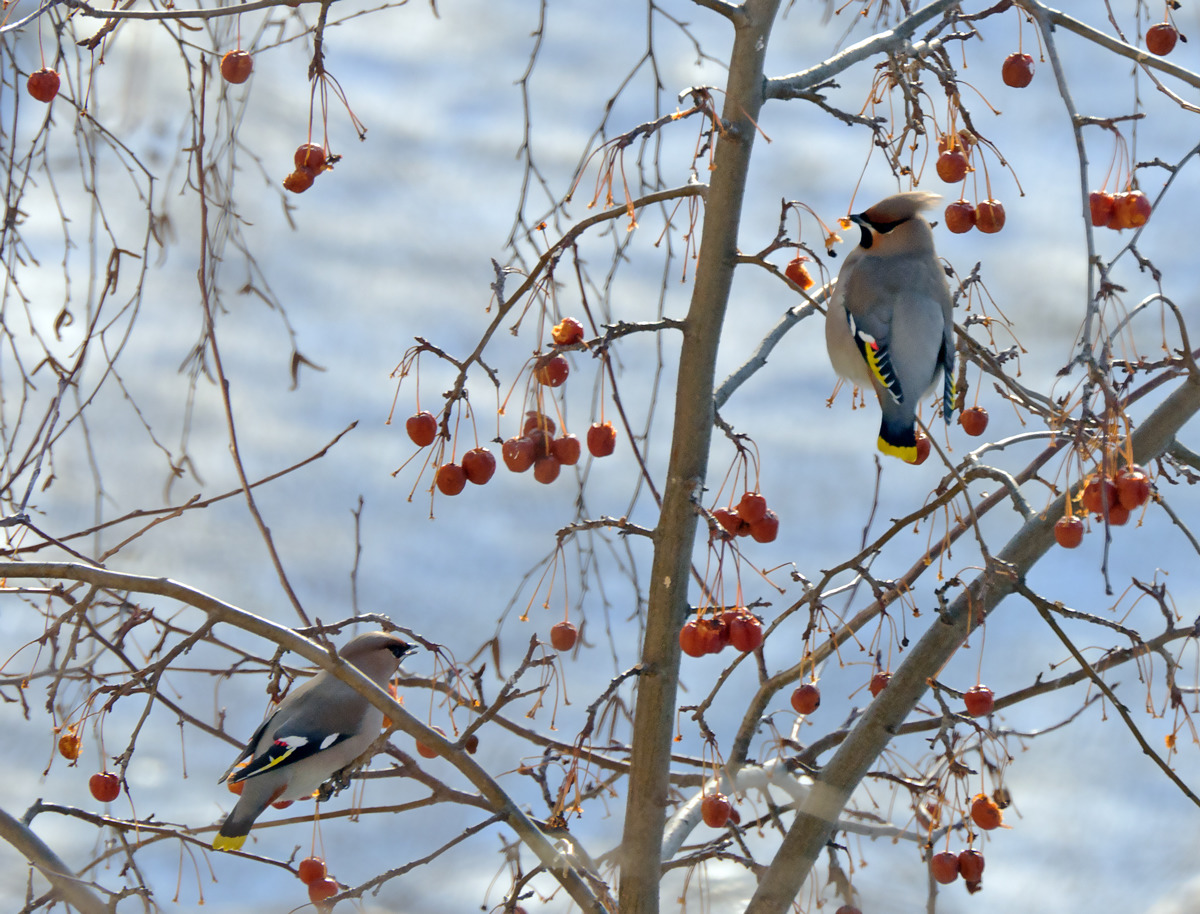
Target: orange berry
<point>236,66</point>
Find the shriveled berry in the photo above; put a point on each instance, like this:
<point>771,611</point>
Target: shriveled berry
<point>924,448</point>
<point>985,813</point>
<point>798,273</point>
<point>567,332</point>
<point>1099,493</point>
<point>879,682</point>
<point>69,744</point>
<point>1133,209</point>
<point>728,518</point>
<point>299,180</point>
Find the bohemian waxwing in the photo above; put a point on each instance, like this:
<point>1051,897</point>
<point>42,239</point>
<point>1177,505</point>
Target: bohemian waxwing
<point>319,729</point>
<point>889,325</point>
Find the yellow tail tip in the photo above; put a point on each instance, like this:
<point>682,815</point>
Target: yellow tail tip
<point>907,454</point>
<point>228,842</point>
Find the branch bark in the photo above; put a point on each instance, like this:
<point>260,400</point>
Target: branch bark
<point>814,824</point>
<point>645,818</point>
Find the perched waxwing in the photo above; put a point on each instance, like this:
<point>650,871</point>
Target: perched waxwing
<point>889,325</point>
<point>319,729</point>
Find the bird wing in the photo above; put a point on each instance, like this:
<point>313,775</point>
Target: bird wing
<point>288,748</point>
<point>878,358</point>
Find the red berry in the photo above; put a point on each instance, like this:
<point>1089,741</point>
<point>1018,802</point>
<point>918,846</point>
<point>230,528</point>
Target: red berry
<point>1161,38</point>
<point>546,468</point>
<point>551,370</point>
<point>43,84</point>
<point>847,909</point>
<point>471,744</point>
<point>479,464</point>
<point>745,632</point>
<point>1102,206</point>
<point>282,804</point>
<point>534,419</point>
<point>714,809</point>
<point>310,155</point>
<point>567,332</point>
<point>1118,515</point>
<point>960,217</point>
<point>879,682</point>
<point>236,66</point>
<point>518,454</point>
<point>806,699</point>
<point>1017,70</point>
<point>601,439</point>
<point>1133,209</point>
<point>566,449</point>
<point>715,633</point>
<point>952,166</point>
<point>542,442</point>
<point>1068,531</point>
<point>105,786</point>
<point>563,636</point>
<point>924,448</point>
<point>299,180</point>
<point>728,518</point>
<point>428,751</point>
<point>450,478</point>
<point>944,867</point>
<point>979,700</point>
<point>798,273</point>
<point>421,428</point>
<point>970,865</point>
<point>1098,494</point>
<point>320,890</point>
<point>989,216</point>
<point>1133,487</point>
<point>985,813</point>
<point>310,870</point>
<point>974,421</point>
<point>752,508</point>
<point>766,529</point>
<point>692,640</point>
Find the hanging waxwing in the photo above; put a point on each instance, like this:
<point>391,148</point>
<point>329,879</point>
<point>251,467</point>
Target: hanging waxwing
<point>319,729</point>
<point>889,325</point>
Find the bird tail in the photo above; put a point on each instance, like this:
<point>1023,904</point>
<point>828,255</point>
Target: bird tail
<point>898,437</point>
